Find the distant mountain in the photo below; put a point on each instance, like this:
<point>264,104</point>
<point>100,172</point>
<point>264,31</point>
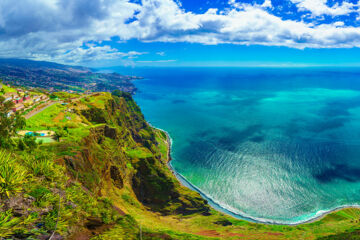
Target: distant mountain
<point>58,77</point>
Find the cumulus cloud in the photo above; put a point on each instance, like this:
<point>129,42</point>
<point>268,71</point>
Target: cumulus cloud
<point>57,29</point>
<point>61,30</point>
<point>320,7</point>
<point>89,53</point>
<point>267,4</point>
<point>163,20</point>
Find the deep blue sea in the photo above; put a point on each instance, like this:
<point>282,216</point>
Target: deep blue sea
<point>276,145</point>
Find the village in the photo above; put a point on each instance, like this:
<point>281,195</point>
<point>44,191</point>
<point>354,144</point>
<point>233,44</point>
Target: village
<point>24,101</point>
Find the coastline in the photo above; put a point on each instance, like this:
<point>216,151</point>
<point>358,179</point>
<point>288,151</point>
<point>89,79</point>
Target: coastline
<point>242,216</point>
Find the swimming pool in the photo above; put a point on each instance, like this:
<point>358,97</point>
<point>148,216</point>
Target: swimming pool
<point>35,134</point>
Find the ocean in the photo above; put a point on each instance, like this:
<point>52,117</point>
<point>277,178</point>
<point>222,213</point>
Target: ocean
<point>277,145</point>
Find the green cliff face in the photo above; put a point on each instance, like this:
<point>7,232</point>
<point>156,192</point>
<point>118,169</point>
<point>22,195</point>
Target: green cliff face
<point>107,178</point>
<point>125,150</point>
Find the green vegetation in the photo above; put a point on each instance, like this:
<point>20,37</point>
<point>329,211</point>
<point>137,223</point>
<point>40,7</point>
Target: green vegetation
<point>97,101</point>
<point>8,124</point>
<point>44,119</point>
<point>7,89</point>
<point>106,177</point>
<point>139,153</point>
<point>12,175</point>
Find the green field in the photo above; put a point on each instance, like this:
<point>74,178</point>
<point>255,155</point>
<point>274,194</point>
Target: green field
<point>8,89</point>
<point>45,119</point>
<point>45,139</point>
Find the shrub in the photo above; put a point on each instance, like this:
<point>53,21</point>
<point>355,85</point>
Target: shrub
<point>7,224</point>
<point>41,164</point>
<point>12,175</point>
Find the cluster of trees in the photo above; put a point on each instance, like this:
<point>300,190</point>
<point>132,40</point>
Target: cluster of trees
<point>61,132</point>
<point>9,124</point>
<point>125,95</point>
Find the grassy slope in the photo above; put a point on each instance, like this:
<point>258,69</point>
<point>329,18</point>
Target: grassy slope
<point>8,89</point>
<point>116,176</point>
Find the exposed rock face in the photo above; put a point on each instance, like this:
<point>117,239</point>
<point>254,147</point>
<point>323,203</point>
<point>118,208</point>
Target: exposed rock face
<point>19,205</point>
<point>116,176</point>
<point>103,160</point>
<point>95,115</point>
<point>110,132</point>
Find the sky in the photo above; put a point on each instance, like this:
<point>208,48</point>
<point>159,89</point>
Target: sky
<point>105,33</point>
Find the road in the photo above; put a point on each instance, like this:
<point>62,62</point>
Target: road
<point>33,113</point>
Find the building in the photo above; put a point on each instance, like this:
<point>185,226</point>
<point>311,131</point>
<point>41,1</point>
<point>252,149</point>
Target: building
<point>9,96</point>
<point>17,100</point>
<point>18,108</point>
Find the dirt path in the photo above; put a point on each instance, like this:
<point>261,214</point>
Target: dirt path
<point>36,111</point>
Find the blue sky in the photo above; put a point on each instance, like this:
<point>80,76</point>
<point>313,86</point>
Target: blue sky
<point>101,33</point>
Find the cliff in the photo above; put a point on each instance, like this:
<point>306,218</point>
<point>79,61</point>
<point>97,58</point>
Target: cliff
<point>107,178</point>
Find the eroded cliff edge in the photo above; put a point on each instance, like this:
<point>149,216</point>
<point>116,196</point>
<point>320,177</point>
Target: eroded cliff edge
<point>107,178</point>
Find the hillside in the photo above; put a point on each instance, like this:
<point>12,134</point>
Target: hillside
<point>105,176</point>
<point>57,77</point>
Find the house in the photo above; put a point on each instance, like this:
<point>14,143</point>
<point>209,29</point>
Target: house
<point>9,96</point>
<point>19,100</point>
<point>18,108</point>
<point>8,99</point>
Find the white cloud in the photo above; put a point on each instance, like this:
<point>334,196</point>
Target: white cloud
<point>162,54</point>
<point>57,30</point>
<point>319,7</point>
<point>267,4</point>
<point>245,24</point>
<point>88,54</point>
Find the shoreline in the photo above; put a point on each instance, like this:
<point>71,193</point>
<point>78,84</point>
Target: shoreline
<point>242,216</point>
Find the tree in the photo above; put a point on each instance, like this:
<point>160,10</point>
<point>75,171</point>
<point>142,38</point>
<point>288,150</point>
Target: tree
<point>125,95</point>
<point>60,133</point>
<point>30,142</point>
<point>9,124</point>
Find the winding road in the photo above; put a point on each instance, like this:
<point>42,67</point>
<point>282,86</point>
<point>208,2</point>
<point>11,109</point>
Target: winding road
<point>33,113</point>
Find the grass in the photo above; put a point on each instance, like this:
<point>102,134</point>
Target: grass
<point>65,95</point>
<point>47,184</point>
<point>45,140</point>
<point>139,152</point>
<point>40,165</point>
<point>44,119</point>
<point>12,175</point>
<point>8,224</point>
<point>8,89</point>
<point>98,100</point>
<point>163,147</point>
<point>55,117</point>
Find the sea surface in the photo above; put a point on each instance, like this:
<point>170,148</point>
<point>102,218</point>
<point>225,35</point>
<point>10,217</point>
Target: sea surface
<point>275,145</point>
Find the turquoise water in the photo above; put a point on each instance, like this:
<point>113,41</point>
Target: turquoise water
<point>274,145</point>
<point>35,134</point>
